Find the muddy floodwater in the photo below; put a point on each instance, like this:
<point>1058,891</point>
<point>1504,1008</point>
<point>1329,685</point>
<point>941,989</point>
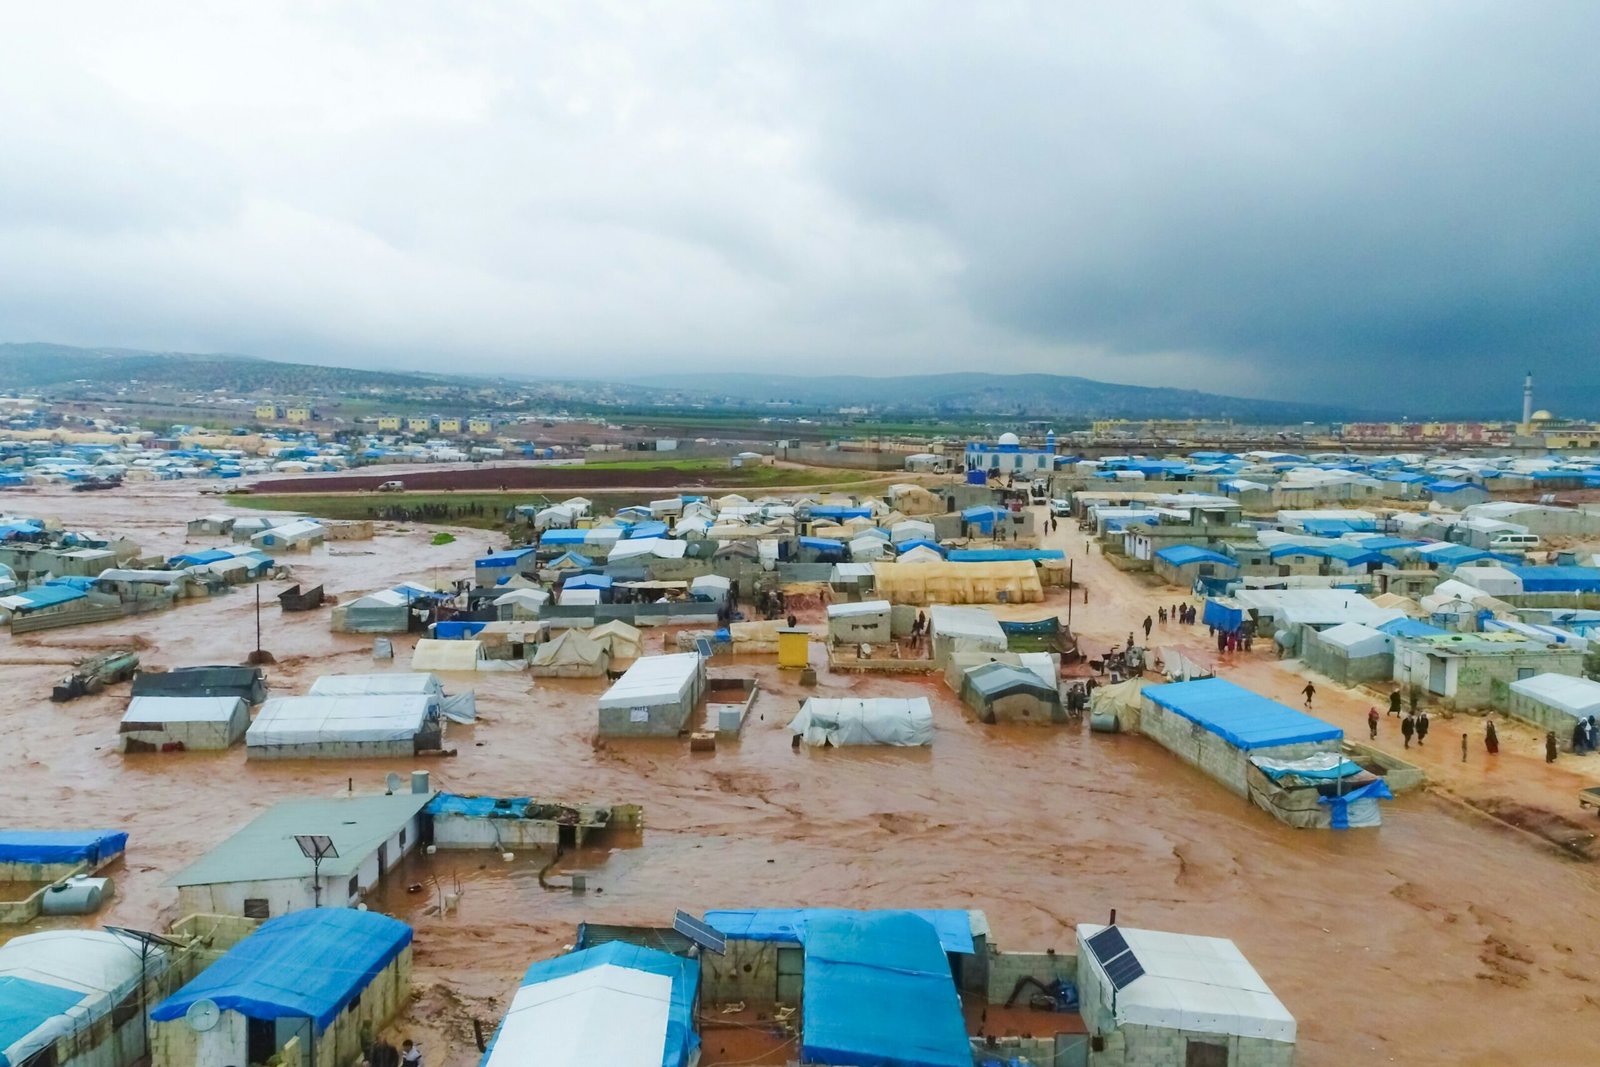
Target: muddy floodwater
<point>1445,937</point>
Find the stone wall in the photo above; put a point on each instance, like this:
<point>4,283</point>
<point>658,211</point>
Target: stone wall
<point>1007,968</point>
<point>1201,748</point>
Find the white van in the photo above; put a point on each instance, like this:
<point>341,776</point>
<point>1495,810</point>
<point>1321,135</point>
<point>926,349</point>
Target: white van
<point>1524,541</point>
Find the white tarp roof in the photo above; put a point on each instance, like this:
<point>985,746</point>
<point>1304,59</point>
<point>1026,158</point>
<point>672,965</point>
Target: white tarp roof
<point>876,721</point>
<point>182,709</point>
<point>434,655</point>
<point>103,967</point>
<point>1496,581</point>
<point>654,680</point>
<point>604,1014</point>
<point>1315,606</point>
<point>569,597</point>
<point>1357,640</point>
<point>312,720</point>
<point>1200,984</point>
<point>531,598</point>
<point>864,607</point>
<point>971,623</point>
<point>1578,697</point>
<point>659,547</point>
<point>911,530</point>
<point>348,685</point>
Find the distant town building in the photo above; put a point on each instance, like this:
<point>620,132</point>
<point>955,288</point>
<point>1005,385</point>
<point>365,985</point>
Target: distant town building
<point>269,411</point>
<point>389,422</point>
<point>419,424</point>
<point>1007,456</point>
<point>449,425</point>
<point>482,427</point>
<point>301,413</point>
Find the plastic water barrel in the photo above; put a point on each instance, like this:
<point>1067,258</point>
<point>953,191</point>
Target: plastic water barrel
<point>1105,722</point>
<point>419,783</point>
<point>78,895</point>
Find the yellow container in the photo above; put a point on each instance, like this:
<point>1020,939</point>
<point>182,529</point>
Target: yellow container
<point>794,649</point>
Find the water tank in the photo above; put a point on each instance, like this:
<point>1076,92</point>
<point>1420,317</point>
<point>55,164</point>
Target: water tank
<point>419,782</point>
<point>78,895</point>
<point>1105,722</point>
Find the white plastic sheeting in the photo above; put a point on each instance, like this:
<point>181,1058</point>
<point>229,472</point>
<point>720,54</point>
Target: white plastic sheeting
<point>1496,581</point>
<point>431,655</point>
<point>606,1014</point>
<point>350,685</point>
<point>654,680</point>
<point>1578,697</point>
<point>877,721</point>
<point>1200,984</point>
<point>313,720</point>
<point>198,722</point>
<point>103,967</point>
<point>1357,641</point>
<point>658,547</point>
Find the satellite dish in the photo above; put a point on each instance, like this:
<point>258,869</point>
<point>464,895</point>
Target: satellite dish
<point>202,1015</point>
<point>393,781</point>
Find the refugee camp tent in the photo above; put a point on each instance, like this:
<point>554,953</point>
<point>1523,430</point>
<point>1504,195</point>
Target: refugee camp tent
<point>68,984</point>
<point>386,611</point>
<point>616,1004</point>
<point>625,643</point>
<point>1000,692</point>
<point>956,629</point>
<point>1001,582</point>
<point>246,683</point>
<point>874,721</point>
<point>862,622</point>
<point>340,727</point>
<point>571,654</point>
<point>655,697</point>
<point>433,655</point>
<point>1350,653</point>
<point>712,587</point>
<point>182,723</point>
<point>521,603</point>
<point>1555,701</point>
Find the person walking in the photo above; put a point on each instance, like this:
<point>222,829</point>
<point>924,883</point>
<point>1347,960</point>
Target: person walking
<point>1550,746</point>
<point>1310,691</point>
<point>1422,728</point>
<point>1148,623</point>
<point>1394,704</point>
<point>1161,615</point>
<point>1408,726</point>
<point>1579,737</point>
<point>1372,723</point>
<point>410,1054</point>
<point>1463,746</point>
<point>1491,738</point>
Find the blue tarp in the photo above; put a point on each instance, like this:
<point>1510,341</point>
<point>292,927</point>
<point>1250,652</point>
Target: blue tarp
<point>652,528</point>
<point>577,558</point>
<point>478,807</point>
<point>1220,616</point>
<point>977,478</point>
<point>1558,579</point>
<point>907,546</point>
<point>1004,555</point>
<point>306,964</point>
<point>563,537</point>
<point>681,1039</point>
<point>791,924</point>
<point>839,514</point>
<point>1182,555</point>
<point>26,1005</point>
<point>1244,719</point>
<point>1351,555</point>
<point>1409,628</point>
<point>1343,770</point>
<point>48,596</point>
<point>195,559</point>
<point>879,993</point>
<point>509,558</point>
<point>588,581</point>
<point>61,846</point>
<point>1378,790</point>
<point>1456,555</point>
<point>456,629</point>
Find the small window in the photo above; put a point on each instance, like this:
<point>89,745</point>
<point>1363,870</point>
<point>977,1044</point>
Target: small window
<point>1205,1054</point>
<point>1524,672</point>
<point>257,908</point>
<point>355,884</point>
<point>402,837</point>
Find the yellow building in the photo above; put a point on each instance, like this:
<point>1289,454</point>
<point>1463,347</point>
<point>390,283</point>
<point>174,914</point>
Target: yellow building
<point>482,427</point>
<point>388,422</point>
<point>298,414</point>
<point>268,411</point>
<point>419,424</point>
<point>449,425</point>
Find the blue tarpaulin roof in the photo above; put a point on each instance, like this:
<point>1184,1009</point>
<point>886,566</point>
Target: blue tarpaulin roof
<point>509,558</point>
<point>822,544</point>
<point>456,629</point>
<point>1335,527</point>
<point>1182,555</point>
<point>652,528</point>
<point>573,557</point>
<point>681,1039</point>
<point>1004,555</point>
<point>821,511</point>
<point>563,537</point>
<point>61,846</point>
<point>983,513</point>
<point>306,964</point>
<point>907,546</point>
<point>1558,579</point>
<point>1459,554</point>
<point>195,559</point>
<point>1220,616</point>
<point>1353,555</point>
<point>1244,719</point>
<point>879,993</point>
<point>791,924</point>
<point>1408,628</point>
<point>46,596</point>
<point>588,581</point>
<point>1451,487</point>
<point>26,1005</point>
<point>478,807</point>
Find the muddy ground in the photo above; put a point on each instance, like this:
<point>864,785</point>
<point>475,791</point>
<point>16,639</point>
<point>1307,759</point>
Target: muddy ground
<point>1448,936</point>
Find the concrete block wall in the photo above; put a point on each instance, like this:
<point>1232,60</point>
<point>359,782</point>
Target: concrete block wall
<point>1148,1046</point>
<point>1208,752</point>
<point>1482,681</point>
<point>1007,968</point>
<point>747,972</point>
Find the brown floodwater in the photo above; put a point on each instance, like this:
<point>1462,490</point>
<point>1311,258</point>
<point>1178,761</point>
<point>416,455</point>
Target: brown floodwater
<point>1445,937</point>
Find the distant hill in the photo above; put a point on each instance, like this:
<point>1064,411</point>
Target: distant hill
<point>1039,395</point>
<point>36,365</point>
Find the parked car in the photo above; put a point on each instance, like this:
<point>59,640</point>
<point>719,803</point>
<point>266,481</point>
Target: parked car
<point>395,486</point>
<point>1060,508</point>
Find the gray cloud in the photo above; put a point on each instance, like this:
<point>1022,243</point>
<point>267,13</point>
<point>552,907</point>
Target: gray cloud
<point>1306,200</point>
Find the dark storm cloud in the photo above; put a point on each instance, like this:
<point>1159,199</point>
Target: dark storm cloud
<point>1308,200</point>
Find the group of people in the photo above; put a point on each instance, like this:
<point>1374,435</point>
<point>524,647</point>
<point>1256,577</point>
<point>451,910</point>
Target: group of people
<point>1584,736</point>
<point>919,629</point>
<point>1182,614</point>
<point>382,1054</point>
<point>1078,697</point>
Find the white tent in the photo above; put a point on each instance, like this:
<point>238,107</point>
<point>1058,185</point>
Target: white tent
<point>92,971</point>
<point>624,642</point>
<point>194,722</point>
<point>920,554</point>
<point>431,655</point>
<point>911,530</point>
<point>604,1014</point>
<point>713,587</point>
<point>876,721</point>
<point>334,727</point>
<point>572,654</point>
<point>1577,697</point>
<point>960,629</point>
<point>1357,641</point>
<point>865,549</point>
<point>585,597</point>
<point>1197,984</point>
<point>414,683</point>
<point>659,547</point>
<point>1495,581</point>
<point>655,696</point>
<point>521,603</point>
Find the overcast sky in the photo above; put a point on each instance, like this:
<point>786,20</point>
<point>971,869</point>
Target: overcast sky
<point>1309,200</point>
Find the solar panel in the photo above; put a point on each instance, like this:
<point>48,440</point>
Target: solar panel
<point>1108,944</point>
<point>698,932</point>
<point>1123,970</point>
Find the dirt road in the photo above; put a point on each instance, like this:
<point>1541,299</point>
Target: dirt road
<point>1441,938</point>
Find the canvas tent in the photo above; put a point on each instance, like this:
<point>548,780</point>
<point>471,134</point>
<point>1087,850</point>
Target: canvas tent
<point>344,727</point>
<point>1000,582</point>
<point>964,630</point>
<point>571,654</point>
<point>1000,692</point>
<point>624,643</point>
<point>435,655</point>
<point>521,603</point>
<point>874,721</point>
<point>178,723</point>
<point>655,697</point>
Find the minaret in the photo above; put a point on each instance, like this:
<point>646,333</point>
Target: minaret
<point>1527,399</point>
